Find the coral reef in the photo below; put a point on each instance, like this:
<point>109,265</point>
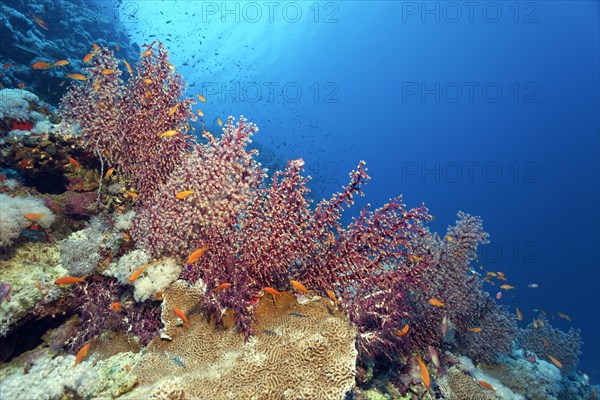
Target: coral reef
<point>34,31</point>
<point>456,385</point>
<point>19,213</point>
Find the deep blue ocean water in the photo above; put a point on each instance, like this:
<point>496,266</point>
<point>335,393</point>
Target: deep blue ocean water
<point>491,108</point>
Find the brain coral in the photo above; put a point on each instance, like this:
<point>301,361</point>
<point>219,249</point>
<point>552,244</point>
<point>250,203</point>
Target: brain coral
<point>456,385</point>
<point>298,352</point>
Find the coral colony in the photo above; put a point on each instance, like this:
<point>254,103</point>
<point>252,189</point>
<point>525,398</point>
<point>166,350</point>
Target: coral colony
<point>191,246</point>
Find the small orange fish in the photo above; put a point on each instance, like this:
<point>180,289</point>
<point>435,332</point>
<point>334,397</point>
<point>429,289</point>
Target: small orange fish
<point>555,361</point>
<point>41,65</point>
<point>128,67</point>
<point>401,332</point>
<point>108,71</point>
<point>147,81</point>
<point>271,291</point>
<point>7,66</point>
<point>68,280</point>
<point>331,295</point>
<point>436,303</point>
<point>298,286</point>
<point>109,173</point>
<point>33,216</point>
<point>173,109</point>
<point>219,122</point>
<point>61,63</point>
<point>415,258</point>
<point>74,162</point>
<point>21,85</point>
<point>492,274</point>
<point>424,372</point>
<point>502,278</point>
<point>116,306</point>
<point>486,385</point>
<point>222,286</point>
<point>136,274</point>
<point>200,113</point>
<point>95,47</point>
<point>500,273</point>
<point>181,316</point>
<point>546,342</point>
<point>88,57</point>
<point>81,354</point>
<point>133,195</point>
<point>183,194</point>
<point>201,98</point>
<point>78,77</point>
<point>41,22</point>
<point>168,133</point>
<point>535,324</point>
<point>476,330</point>
<point>564,316</point>
<point>146,53</point>
<point>449,238</point>
<point>507,287</point>
<point>148,94</point>
<point>160,295</point>
<point>195,256</point>
<point>519,314</point>
<point>541,322</point>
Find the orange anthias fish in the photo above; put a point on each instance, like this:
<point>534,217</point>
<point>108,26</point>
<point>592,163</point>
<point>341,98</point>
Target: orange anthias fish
<point>477,330</point>
<point>41,22</point>
<point>555,361</point>
<point>147,81</point>
<point>61,63</point>
<point>108,71</point>
<point>81,354</point>
<point>183,194</point>
<point>219,122</point>
<point>519,314</point>
<point>109,173</point>
<point>33,216</point>
<point>486,385</point>
<point>401,332</point>
<point>424,372</point>
<point>435,357</point>
<point>201,98</point>
<point>41,65</point>
<point>436,303</point>
<point>507,287</point>
<point>88,57</point>
<point>133,195</point>
<point>331,295</point>
<point>168,133</point>
<point>181,316</point>
<point>449,238</point>
<point>272,291</point>
<point>78,77</point>
<point>535,324</point>
<point>564,316</point>
<point>136,274</point>
<point>195,256</point>
<point>222,286</point>
<point>200,113</point>
<point>116,306</point>
<point>546,342</point>
<point>74,162</point>
<point>68,280</point>
<point>146,53</point>
<point>128,67</point>
<point>95,47</point>
<point>173,109</point>
<point>298,286</point>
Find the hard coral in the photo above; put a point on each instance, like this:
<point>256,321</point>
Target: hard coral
<point>298,352</point>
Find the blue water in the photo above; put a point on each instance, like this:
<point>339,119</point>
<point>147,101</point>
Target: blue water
<point>492,110</point>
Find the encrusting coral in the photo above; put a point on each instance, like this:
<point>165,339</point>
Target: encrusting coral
<point>298,352</point>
